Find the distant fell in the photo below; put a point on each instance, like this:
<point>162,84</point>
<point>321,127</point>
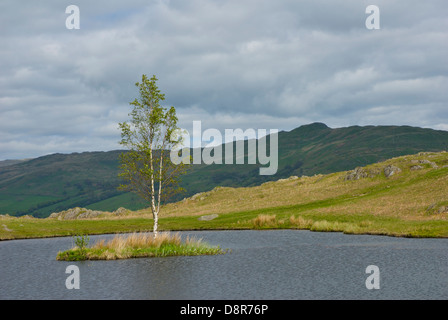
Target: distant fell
<point>58,182</point>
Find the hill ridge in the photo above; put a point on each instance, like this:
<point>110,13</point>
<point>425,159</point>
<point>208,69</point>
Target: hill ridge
<point>57,182</point>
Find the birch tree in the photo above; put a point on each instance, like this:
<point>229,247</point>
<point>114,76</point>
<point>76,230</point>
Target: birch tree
<point>149,136</point>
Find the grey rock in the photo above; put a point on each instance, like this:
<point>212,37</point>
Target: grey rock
<point>360,172</point>
<point>88,214</point>
<point>442,209</point>
<point>357,174</point>
<point>433,209</point>
<point>208,217</point>
<point>288,179</point>
<point>121,211</point>
<point>390,170</point>
<point>199,196</point>
<point>432,164</point>
<point>71,214</point>
<point>75,213</point>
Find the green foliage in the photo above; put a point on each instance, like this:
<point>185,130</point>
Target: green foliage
<point>81,241</point>
<point>149,137</point>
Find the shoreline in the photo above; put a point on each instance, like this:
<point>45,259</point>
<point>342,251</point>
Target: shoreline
<point>380,234</point>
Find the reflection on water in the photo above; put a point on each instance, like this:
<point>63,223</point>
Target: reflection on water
<point>280,264</point>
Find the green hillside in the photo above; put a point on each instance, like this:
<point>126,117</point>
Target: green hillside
<point>54,182</point>
<point>60,181</point>
<point>404,196</point>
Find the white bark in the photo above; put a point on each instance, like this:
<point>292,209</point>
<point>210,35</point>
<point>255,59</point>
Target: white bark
<point>154,210</point>
<point>156,224</point>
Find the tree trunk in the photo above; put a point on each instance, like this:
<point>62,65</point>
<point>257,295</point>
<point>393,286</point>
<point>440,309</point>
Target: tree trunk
<point>156,224</point>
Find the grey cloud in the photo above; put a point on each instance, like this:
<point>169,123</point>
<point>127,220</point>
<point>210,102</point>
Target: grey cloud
<point>277,64</point>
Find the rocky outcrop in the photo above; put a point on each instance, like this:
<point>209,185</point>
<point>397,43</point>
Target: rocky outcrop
<point>120,212</point>
<point>83,213</point>
<point>425,161</point>
<point>434,208</point>
<point>442,209</point>
<point>356,174</point>
<point>292,178</point>
<point>198,196</point>
<point>360,173</point>
<point>390,170</point>
<point>76,213</point>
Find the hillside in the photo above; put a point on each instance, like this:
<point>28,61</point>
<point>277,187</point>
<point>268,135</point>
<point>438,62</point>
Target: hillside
<point>57,182</point>
<point>54,182</point>
<point>409,187</point>
<point>403,196</point>
<point>5,163</point>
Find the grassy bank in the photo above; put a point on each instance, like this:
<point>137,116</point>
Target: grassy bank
<point>288,217</point>
<point>138,246</point>
<point>413,202</point>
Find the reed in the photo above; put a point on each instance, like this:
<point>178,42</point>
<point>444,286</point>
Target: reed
<point>265,220</point>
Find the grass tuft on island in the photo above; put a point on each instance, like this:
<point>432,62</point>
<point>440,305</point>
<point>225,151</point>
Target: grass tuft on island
<point>139,245</point>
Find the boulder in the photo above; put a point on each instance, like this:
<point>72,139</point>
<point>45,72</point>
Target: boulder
<point>360,172</point>
<point>432,164</point>
<point>199,195</point>
<point>435,209</point>
<point>356,174</point>
<point>390,170</point>
<point>71,214</point>
<point>88,214</point>
<point>121,211</point>
<point>208,217</point>
<point>442,209</point>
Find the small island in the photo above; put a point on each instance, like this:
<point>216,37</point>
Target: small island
<point>137,245</point>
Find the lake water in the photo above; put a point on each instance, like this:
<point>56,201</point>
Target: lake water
<point>278,264</point>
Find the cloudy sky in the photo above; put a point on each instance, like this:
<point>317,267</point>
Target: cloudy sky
<point>228,63</point>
